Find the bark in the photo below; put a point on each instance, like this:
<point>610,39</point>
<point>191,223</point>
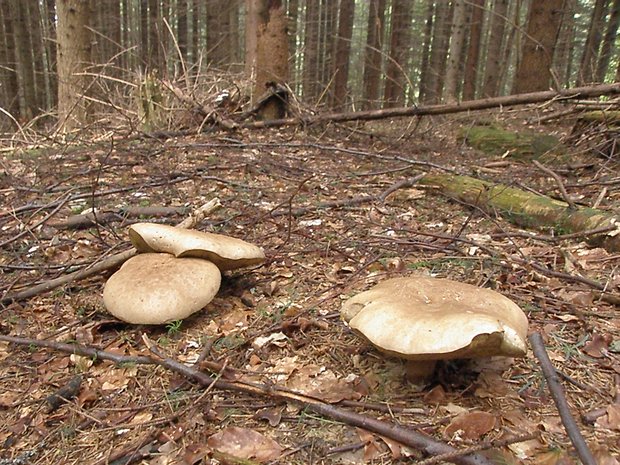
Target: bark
<point>543,25</point>
<point>525,208</point>
<point>396,69</point>
<point>74,50</point>
<point>372,55</point>
<point>608,42</point>
<point>340,67</point>
<point>218,33</point>
<point>49,42</point>
<point>251,36</point>
<point>271,53</point>
<point>589,57</point>
<point>7,61</point>
<point>182,28</point>
<point>490,87</point>
<point>155,50</point>
<point>563,57</point>
<point>453,69</point>
<point>37,53</point>
<point>196,33</point>
<point>473,50</point>
<point>425,82</point>
<point>234,37</point>
<point>293,15</point>
<point>328,42</point>
<point>439,51</point>
<point>311,52</point>
<point>510,53</point>
<point>24,60</point>
<point>144,33</point>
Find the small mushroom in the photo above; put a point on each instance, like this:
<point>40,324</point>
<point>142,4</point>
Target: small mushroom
<point>156,288</point>
<point>226,252</point>
<point>426,319</point>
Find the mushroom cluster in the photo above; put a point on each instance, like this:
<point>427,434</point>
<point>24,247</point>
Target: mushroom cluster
<point>425,319</point>
<point>176,272</point>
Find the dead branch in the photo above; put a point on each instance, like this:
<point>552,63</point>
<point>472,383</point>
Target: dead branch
<point>557,392</point>
<point>108,263</point>
<point>108,216</point>
<point>559,182</point>
<point>471,105</point>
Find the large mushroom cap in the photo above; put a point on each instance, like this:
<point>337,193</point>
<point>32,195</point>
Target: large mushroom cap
<point>421,318</point>
<point>227,253</point>
<point>156,288</point>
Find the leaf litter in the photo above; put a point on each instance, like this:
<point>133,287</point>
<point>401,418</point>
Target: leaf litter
<point>278,324</point>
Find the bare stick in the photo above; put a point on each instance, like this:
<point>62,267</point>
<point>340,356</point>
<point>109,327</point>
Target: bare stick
<point>557,392</point>
<point>559,182</point>
<point>107,264</point>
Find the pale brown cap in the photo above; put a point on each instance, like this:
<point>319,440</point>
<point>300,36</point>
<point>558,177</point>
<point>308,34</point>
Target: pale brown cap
<point>156,288</point>
<point>226,252</point>
<point>420,318</point>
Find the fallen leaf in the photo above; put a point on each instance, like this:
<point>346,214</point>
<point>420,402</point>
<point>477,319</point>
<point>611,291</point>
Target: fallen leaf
<point>597,347</point>
<point>245,443</point>
<point>612,418</point>
<point>470,425</point>
<point>272,415</point>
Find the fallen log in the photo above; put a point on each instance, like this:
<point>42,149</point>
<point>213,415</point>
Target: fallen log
<point>529,210</point>
<point>471,105</point>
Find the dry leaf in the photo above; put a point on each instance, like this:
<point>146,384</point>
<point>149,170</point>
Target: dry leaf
<point>470,425</point>
<point>597,347</point>
<point>245,443</point>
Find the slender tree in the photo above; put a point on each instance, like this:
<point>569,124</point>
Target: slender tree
<point>342,53</point>
<point>24,60</point>
<point>589,57</point>
<point>608,41</point>
<point>470,76</point>
<point>396,69</point>
<point>453,69</point>
<point>565,48</point>
<point>425,71</point>
<point>534,69</point>
<point>494,49</point>
<point>372,53</point>
<point>182,28</point>
<point>74,50</point>
<point>8,67</point>
<point>439,51</point>
<point>311,52</point>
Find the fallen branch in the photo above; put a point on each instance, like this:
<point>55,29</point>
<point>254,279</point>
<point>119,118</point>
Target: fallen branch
<point>559,182</point>
<point>106,264</point>
<point>108,216</point>
<point>471,105</point>
<point>398,433</point>
<point>557,392</point>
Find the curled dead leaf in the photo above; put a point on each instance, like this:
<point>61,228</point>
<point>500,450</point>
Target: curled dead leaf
<point>245,443</point>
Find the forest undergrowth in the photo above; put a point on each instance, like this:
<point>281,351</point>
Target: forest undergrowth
<point>330,207</point>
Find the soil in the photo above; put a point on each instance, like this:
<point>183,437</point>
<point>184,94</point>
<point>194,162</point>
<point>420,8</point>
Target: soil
<point>278,324</point>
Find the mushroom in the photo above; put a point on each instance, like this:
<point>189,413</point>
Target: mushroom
<point>156,288</point>
<point>426,319</point>
<point>226,252</point>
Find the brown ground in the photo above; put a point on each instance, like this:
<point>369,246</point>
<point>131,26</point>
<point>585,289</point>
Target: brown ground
<point>315,261</point>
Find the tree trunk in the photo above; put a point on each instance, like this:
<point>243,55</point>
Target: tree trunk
<point>396,74</point>
<point>453,70</point>
<point>473,50</point>
<point>271,53</point>
<point>342,54</point>
<point>49,42</point>
<point>74,50</point>
<point>608,42</point>
<point>328,42</point>
<point>373,55</point>
<point>10,87</point>
<point>563,57</point>
<point>494,49</point>
<point>234,37</point>
<point>524,208</point>
<point>510,53</point>
<point>182,29</point>
<point>24,61</point>
<point>311,52</point>
<point>589,57</point>
<point>293,16</point>
<point>425,71</point>
<point>218,28</point>
<point>155,55</point>
<point>534,69</point>
<point>439,51</point>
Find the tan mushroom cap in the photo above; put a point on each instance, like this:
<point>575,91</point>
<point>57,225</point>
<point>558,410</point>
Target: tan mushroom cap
<point>156,288</point>
<point>420,318</point>
<point>226,252</point>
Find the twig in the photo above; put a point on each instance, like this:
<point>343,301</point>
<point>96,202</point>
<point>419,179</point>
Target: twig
<point>107,264</point>
<point>557,392</point>
<point>559,182</point>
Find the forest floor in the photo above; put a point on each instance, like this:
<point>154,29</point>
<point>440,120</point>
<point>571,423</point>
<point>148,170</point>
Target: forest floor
<point>278,324</point>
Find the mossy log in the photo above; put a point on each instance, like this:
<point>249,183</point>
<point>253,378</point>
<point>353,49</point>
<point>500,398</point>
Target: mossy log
<point>525,145</point>
<point>601,116</point>
<point>528,210</point>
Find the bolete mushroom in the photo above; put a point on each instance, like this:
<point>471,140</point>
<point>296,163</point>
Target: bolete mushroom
<point>427,319</point>
<point>226,252</point>
<point>156,288</point>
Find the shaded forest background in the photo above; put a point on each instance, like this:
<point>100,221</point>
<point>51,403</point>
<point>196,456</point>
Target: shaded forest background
<point>343,55</point>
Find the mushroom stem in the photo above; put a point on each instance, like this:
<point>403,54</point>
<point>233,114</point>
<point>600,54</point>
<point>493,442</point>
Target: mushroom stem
<point>419,371</point>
